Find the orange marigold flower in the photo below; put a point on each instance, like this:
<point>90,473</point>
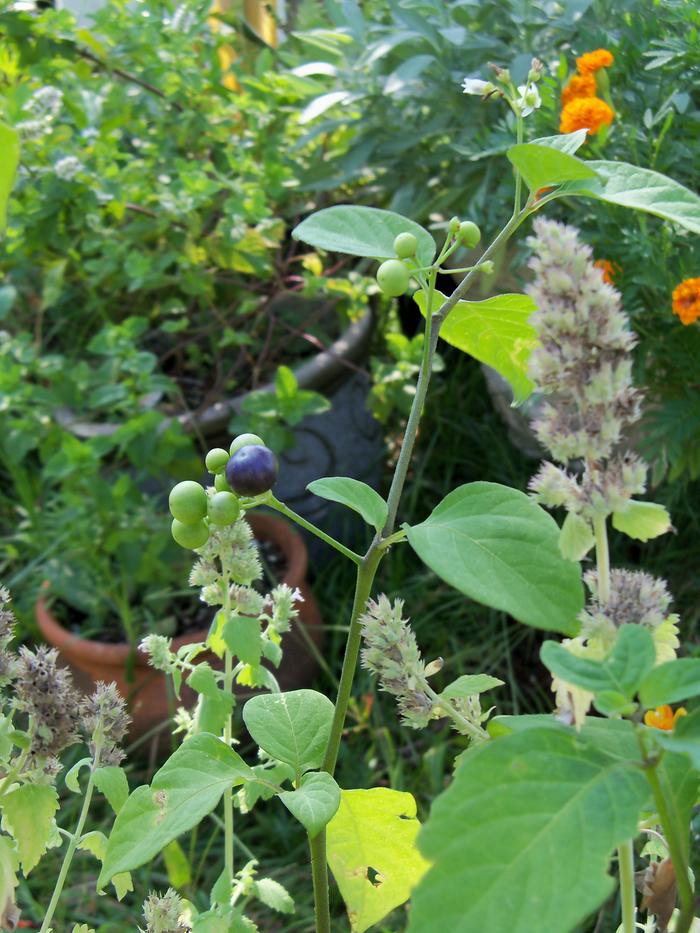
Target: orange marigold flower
<point>686,300</point>
<point>608,269</point>
<point>585,113</point>
<point>578,86</point>
<point>594,61</point>
<point>663,717</point>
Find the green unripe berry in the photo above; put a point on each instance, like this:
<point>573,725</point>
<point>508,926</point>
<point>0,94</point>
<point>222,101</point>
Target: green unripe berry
<point>221,483</point>
<point>224,508</point>
<point>216,460</point>
<point>453,226</point>
<point>469,234</point>
<point>405,245</point>
<point>190,536</point>
<point>393,277</point>
<point>188,502</point>
<point>243,440</point>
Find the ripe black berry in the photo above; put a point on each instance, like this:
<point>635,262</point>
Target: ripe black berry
<point>252,470</point>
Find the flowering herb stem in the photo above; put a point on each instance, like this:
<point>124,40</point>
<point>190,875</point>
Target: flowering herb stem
<point>602,556</point>
<point>518,176</point>
<point>75,838</point>
<point>228,733</point>
<point>463,724</point>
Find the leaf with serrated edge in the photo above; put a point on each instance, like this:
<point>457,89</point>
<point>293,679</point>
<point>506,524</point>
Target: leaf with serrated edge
<point>642,520</point>
<point>494,331</point>
<point>500,548</point>
<point>362,231</point>
<point>183,791</point>
<point>671,682</point>
<point>575,538</point>
<point>293,727</point>
<point>111,781</point>
<point>525,831</point>
<point>374,830</point>
<point>542,166</point>
<point>314,802</point>
<point>28,813</point>
<point>622,670</point>
<point>639,189</point>
<point>355,495</point>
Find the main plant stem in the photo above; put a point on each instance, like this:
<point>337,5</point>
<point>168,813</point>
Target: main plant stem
<point>228,735</point>
<point>625,852</point>
<point>367,567</point>
<point>73,844</point>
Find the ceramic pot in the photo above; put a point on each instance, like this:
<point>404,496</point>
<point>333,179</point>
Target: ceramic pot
<point>145,689</point>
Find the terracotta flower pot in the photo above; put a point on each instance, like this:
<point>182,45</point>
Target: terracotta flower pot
<point>145,690</point>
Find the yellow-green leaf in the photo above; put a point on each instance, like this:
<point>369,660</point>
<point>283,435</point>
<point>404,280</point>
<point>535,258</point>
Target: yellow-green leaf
<point>642,520</point>
<point>575,538</point>
<point>494,331</point>
<point>28,813</point>
<point>176,865</point>
<point>9,157</point>
<point>541,166</point>
<point>372,852</point>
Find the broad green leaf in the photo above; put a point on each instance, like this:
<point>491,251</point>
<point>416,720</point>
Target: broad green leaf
<point>685,738</point>
<point>469,685</point>
<point>494,331</point>
<point>355,494</point>
<point>500,548</point>
<point>671,682</point>
<point>273,895</point>
<point>292,727</point>
<point>215,704</point>
<point>112,782</point>
<point>176,865</point>
<point>183,792</point>
<point>575,538</point>
<point>243,638</point>
<point>96,842</point>
<point>564,142</point>
<point>642,520</point>
<point>28,814</point>
<point>524,834</point>
<point>362,231</point>
<point>622,670</point>
<point>8,882</point>
<point>314,802</point>
<point>9,158</point>
<point>640,189</point>
<point>371,844</point>
<point>72,776</point>
<point>542,166</point>
<point>679,786</point>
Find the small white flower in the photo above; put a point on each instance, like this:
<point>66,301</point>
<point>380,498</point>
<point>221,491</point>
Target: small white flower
<point>68,167</point>
<point>478,87</point>
<point>529,99</point>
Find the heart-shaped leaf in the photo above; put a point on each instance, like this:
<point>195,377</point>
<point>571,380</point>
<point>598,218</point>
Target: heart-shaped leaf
<point>314,802</point>
<point>500,548</point>
<point>494,331</point>
<point>292,727</point>
<point>542,166</point>
<point>362,231</point>
<point>355,494</point>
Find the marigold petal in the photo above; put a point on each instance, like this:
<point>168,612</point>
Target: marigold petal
<point>594,61</point>
<point>686,300</point>
<point>588,113</point>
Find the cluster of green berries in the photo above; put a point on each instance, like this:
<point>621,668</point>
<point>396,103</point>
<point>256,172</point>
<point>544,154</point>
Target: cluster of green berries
<point>394,275</point>
<point>248,468</point>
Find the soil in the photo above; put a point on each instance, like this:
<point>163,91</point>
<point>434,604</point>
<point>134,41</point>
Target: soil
<point>187,613</point>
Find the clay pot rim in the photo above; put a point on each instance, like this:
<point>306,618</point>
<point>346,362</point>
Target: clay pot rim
<point>265,526</point>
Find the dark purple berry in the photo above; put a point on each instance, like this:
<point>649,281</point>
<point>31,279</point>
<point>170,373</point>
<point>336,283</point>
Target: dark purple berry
<point>252,470</point>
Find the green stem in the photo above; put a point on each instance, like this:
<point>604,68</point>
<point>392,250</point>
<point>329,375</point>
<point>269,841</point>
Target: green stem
<point>518,176</point>
<point>319,874</point>
<point>72,845</point>
<point>293,516</point>
<point>602,556</point>
<point>467,727</point>
<point>628,897</point>
<point>228,735</point>
<point>675,846</point>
